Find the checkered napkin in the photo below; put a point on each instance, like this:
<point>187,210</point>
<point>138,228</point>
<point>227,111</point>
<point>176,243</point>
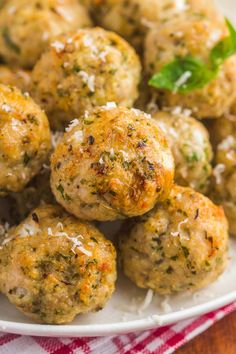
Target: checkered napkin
<point>164,340</point>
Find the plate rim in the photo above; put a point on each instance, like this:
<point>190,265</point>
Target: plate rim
<point>99,330</point>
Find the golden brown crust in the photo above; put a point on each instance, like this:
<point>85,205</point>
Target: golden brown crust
<point>180,245</point>
<point>54,267</point>
<point>27,27</point>
<point>114,163</point>
<point>82,70</point>
<point>25,139</point>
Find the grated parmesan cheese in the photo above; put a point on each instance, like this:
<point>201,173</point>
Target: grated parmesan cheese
<point>180,232</point>
<point>102,55</point>
<point>183,79</point>
<point>112,153</point>
<point>165,305</point>
<point>72,124</point>
<point>55,138</point>
<point>227,143</point>
<point>6,108</point>
<point>78,136</point>
<point>58,46</point>
<point>180,5</point>
<point>109,105</point>
<point>88,80</point>
<point>217,173</point>
<point>101,161</point>
<point>147,301</point>
<point>176,110</point>
<point>64,13</point>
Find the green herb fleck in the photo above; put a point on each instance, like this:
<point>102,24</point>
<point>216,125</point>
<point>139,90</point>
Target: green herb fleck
<point>60,189</point>
<point>185,251</point>
<point>192,158</point>
<point>26,159</point>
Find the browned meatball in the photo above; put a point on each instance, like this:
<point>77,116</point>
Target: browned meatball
<point>113,163</point>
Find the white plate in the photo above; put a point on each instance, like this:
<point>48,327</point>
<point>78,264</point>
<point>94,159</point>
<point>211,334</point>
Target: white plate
<point>121,315</point>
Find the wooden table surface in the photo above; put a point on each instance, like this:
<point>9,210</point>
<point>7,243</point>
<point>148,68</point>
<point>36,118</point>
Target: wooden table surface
<point>219,339</point>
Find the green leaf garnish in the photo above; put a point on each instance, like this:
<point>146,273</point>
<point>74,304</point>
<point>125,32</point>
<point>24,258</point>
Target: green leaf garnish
<point>224,49</point>
<point>188,73</point>
<point>183,75</point>
<point>9,42</point>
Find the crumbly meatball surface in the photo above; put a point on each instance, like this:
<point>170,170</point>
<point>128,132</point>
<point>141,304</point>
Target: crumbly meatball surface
<point>191,148</point>
<point>25,139</point>
<point>27,27</point>
<point>113,163</point>
<point>223,186</point>
<point>195,36</point>
<point>180,245</point>
<point>82,70</point>
<point>54,267</point>
<point>15,77</point>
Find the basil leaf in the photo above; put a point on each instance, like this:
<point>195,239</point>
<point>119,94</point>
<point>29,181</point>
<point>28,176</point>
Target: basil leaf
<point>183,75</point>
<point>186,74</point>
<point>224,49</point>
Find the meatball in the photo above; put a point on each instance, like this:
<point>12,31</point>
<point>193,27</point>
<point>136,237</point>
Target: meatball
<point>223,187</point>
<point>54,267</point>
<point>15,77</point>
<point>132,19</point>
<point>85,69</point>
<point>25,140</point>
<point>129,19</point>
<point>115,163</point>
<point>192,36</point>
<point>27,27</point>
<point>180,245</point>
<point>190,145</point>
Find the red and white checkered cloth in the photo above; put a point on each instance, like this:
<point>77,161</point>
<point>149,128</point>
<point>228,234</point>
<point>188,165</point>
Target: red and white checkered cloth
<point>164,340</point>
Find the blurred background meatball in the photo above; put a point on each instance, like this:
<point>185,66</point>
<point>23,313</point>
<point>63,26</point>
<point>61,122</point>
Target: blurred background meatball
<point>180,245</point>
<point>82,70</point>
<point>115,163</point>
<point>194,36</point>
<point>190,145</point>
<point>27,27</point>
<point>25,139</point>
<point>132,19</point>
<point>223,186</point>
<point>54,267</point>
